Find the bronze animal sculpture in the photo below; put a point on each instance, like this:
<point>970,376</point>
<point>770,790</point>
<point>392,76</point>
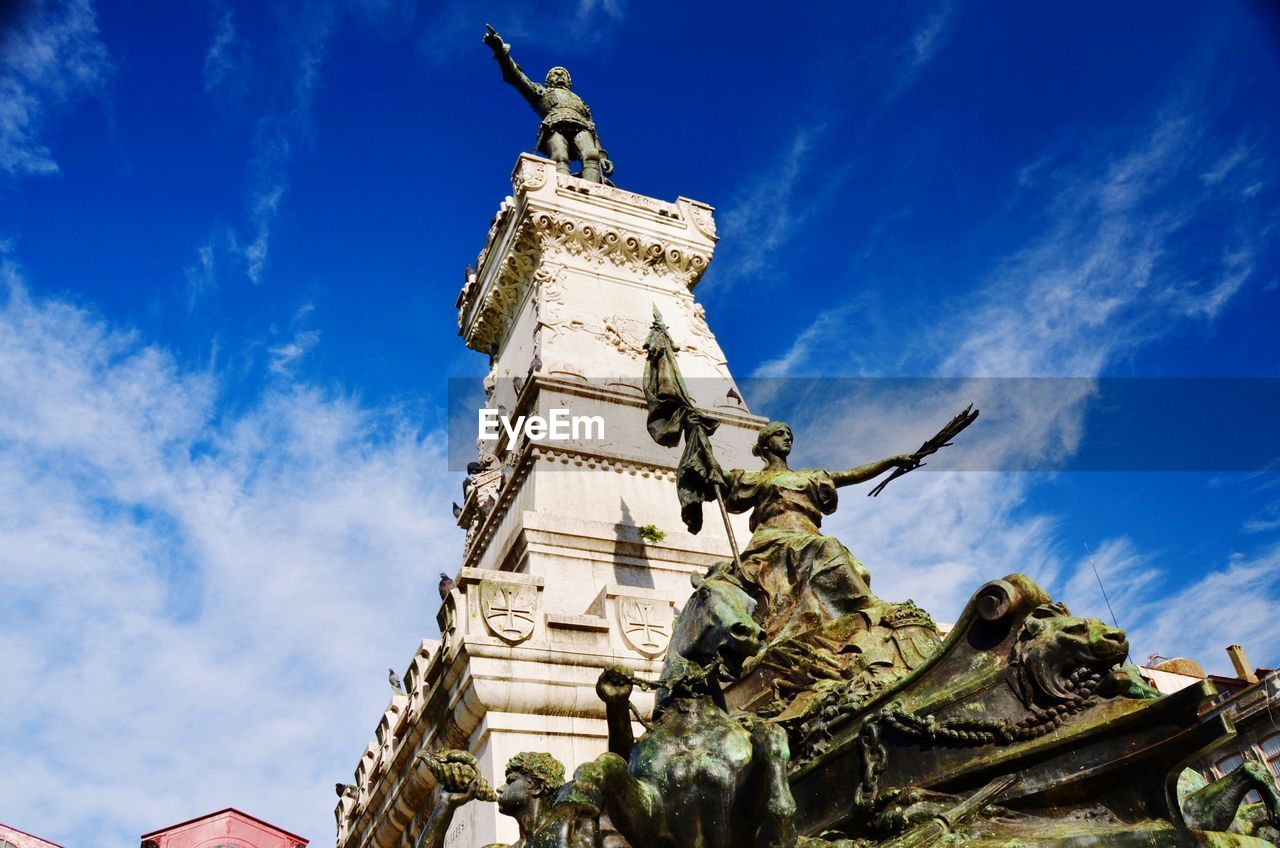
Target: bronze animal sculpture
<point>1058,656</point>
<point>1217,805</point>
<point>698,778</point>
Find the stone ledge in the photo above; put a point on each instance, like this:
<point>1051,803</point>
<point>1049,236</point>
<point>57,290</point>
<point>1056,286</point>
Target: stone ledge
<point>593,623</point>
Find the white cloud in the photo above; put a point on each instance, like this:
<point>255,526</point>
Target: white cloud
<point>1265,520</point>
<point>50,59</point>
<point>769,209</point>
<point>1076,298</point>
<point>226,55</point>
<point>831,324</point>
<point>1092,284</point>
<point>202,278</point>
<point>1237,156</point>
<point>199,606</point>
<point>1232,603</point>
<point>764,215</point>
<point>289,78</point>
<point>284,358</point>
<point>932,35</point>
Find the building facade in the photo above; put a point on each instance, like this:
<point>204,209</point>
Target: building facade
<point>11,837</point>
<point>227,828</point>
<point>1252,700</point>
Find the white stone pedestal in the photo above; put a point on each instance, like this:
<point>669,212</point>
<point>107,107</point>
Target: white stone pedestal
<point>557,581</point>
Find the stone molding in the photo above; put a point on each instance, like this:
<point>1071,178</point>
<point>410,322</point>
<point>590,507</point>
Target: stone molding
<point>589,225</point>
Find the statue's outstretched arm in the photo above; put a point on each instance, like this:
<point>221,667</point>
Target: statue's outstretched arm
<point>614,688</point>
<point>459,776</point>
<point>511,72</point>
<point>871,470</point>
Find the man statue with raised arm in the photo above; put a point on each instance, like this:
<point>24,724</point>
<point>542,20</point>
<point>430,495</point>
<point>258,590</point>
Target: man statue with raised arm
<point>567,131</point>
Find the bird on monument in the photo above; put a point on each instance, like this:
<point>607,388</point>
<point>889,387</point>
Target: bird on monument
<point>394,680</point>
<point>446,585</point>
<point>457,510</point>
<point>343,788</point>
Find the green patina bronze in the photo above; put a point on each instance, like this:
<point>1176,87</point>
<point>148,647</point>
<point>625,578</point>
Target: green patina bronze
<point>699,778</point>
<point>535,795</point>
<point>567,132</point>
<point>823,624</point>
<point>797,708</point>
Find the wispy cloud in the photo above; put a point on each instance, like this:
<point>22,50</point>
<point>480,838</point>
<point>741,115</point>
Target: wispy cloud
<point>51,59</point>
<point>819,335</point>
<point>770,208</point>
<point>1228,603</point>
<point>1105,274</point>
<point>932,35</point>
<point>211,577</point>
<point>1064,303</point>
<point>762,217</point>
<point>226,57</point>
<point>201,275</point>
<point>570,27</point>
<point>1237,156</point>
<point>1265,520</point>
<point>288,78</point>
<point>284,358</point>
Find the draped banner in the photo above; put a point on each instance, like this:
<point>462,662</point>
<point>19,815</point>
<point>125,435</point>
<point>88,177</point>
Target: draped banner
<point>672,415</point>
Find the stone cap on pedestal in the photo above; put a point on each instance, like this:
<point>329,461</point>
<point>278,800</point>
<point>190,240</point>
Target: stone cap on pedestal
<point>583,223</point>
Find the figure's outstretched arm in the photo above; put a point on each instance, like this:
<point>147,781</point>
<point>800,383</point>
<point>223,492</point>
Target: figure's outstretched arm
<point>511,72</point>
<point>863,473</point>
<point>614,688</point>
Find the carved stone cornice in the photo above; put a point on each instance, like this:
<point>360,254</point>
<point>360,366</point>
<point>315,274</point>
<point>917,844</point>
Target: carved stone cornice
<point>588,226</point>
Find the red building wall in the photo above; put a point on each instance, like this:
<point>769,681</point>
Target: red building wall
<point>18,839</point>
<point>229,827</point>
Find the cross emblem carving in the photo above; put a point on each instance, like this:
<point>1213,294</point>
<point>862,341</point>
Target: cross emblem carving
<point>644,625</point>
<point>508,611</point>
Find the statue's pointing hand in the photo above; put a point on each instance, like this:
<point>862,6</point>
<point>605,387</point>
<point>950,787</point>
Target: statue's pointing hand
<point>494,41</point>
<point>459,774</point>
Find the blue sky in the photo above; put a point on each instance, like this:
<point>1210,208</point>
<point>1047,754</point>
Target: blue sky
<point>231,236</point>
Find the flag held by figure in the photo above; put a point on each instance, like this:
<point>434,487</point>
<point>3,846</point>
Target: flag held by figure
<point>672,414</point>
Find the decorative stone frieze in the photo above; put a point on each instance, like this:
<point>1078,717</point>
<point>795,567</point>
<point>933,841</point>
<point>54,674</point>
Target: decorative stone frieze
<point>592,226</point>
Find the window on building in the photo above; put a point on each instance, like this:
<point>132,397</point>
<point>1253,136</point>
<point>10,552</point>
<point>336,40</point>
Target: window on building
<point>4,843</point>
<point>1270,748</point>
<point>1230,763</point>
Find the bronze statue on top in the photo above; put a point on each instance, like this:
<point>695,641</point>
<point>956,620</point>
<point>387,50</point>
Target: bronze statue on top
<point>567,131</point>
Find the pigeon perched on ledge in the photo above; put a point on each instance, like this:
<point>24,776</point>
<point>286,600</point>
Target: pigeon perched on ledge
<point>394,680</point>
<point>446,585</point>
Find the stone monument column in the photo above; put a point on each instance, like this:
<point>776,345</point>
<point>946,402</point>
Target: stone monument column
<point>556,579</point>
